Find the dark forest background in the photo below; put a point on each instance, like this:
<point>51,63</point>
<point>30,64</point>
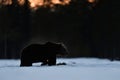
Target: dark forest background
<point>87,29</point>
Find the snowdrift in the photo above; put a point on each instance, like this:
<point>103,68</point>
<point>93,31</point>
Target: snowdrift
<point>76,69</point>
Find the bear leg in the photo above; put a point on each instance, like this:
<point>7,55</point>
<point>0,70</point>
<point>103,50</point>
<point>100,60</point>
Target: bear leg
<point>25,63</point>
<point>52,61</point>
<point>44,62</point>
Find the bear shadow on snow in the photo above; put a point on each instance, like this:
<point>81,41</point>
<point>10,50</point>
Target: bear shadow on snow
<point>45,53</point>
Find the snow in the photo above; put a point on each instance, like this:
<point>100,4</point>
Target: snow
<point>76,69</point>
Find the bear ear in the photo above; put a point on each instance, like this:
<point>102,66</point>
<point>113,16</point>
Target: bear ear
<point>60,44</point>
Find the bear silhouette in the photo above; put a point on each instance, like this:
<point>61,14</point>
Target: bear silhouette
<point>45,53</point>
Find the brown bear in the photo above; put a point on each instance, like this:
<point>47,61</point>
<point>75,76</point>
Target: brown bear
<point>45,53</point>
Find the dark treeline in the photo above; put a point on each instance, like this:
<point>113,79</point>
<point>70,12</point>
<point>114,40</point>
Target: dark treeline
<point>87,29</point>
<point>14,26</point>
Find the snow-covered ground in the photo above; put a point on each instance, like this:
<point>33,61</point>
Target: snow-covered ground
<point>76,69</point>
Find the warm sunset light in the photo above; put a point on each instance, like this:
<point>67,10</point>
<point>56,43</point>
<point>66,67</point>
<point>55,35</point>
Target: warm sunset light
<point>60,1</point>
<point>38,3</point>
<point>21,2</point>
<point>6,2</point>
<point>91,1</point>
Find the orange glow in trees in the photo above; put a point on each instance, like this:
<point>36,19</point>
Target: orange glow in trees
<point>91,1</point>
